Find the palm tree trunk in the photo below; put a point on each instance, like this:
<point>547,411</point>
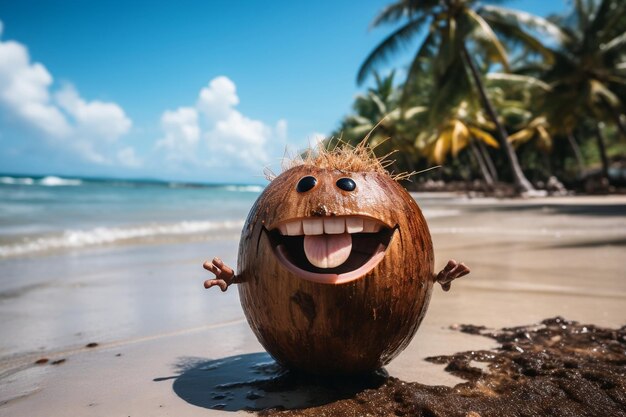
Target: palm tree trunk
<point>577,153</point>
<point>602,149</point>
<point>481,164</point>
<point>520,179</point>
<point>487,158</point>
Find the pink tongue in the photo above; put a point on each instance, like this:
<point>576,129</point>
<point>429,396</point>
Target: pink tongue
<point>327,251</point>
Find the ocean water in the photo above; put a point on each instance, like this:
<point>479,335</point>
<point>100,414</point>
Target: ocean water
<point>42,215</point>
<point>39,215</point>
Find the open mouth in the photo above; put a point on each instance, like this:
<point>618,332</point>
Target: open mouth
<point>330,250</point>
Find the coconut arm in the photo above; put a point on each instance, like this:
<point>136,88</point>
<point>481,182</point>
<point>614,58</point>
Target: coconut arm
<point>450,272</point>
<point>224,275</point>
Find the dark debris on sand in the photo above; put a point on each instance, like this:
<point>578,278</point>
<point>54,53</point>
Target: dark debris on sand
<point>557,368</point>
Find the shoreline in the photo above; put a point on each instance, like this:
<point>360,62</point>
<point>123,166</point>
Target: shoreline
<point>75,241</point>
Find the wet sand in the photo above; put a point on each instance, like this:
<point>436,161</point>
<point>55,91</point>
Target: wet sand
<point>158,331</point>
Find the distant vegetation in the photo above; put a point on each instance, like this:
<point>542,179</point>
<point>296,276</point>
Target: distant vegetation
<point>499,95</point>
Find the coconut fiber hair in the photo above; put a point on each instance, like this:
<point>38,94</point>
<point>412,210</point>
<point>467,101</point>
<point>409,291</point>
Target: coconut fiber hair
<point>342,156</point>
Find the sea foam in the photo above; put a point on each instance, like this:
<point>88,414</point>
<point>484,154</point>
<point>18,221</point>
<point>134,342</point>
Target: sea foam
<point>244,188</point>
<point>49,181</point>
<point>17,180</point>
<point>52,181</point>
<point>71,239</point>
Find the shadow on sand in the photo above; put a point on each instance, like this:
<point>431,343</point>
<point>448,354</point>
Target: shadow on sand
<point>256,382</point>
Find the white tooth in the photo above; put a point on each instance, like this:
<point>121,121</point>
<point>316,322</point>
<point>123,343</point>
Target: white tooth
<point>370,226</point>
<point>313,226</point>
<point>294,228</point>
<point>354,224</point>
<point>283,229</point>
<point>334,225</point>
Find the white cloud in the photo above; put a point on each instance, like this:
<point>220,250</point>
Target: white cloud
<point>126,156</point>
<point>182,133</point>
<point>63,117</point>
<point>228,137</point>
<point>207,134</point>
<point>24,89</point>
<point>239,139</point>
<point>281,129</point>
<point>217,100</point>
<point>97,119</point>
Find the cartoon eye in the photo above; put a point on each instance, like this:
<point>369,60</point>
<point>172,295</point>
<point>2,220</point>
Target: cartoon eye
<point>346,184</point>
<point>306,184</point>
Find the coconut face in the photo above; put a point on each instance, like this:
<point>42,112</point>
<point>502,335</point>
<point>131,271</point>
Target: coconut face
<point>336,269</point>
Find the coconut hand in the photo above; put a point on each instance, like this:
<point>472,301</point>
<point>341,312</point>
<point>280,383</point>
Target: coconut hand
<point>224,275</point>
<point>450,272</point>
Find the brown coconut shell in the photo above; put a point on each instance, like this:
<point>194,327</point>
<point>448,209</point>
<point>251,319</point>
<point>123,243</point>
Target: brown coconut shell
<point>348,328</point>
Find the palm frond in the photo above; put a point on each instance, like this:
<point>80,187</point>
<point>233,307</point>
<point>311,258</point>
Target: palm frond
<point>517,22</point>
<point>424,54</point>
<point>442,146</point>
<point>414,111</point>
<point>487,33</point>
<point>357,119</point>
<point>523,81</point>
<point>601,92</point>
<point>544,139</point>
<point>403,9</point>
<point>393,116</point>
<point>484,137</point>
<point>361,130</point>
<point>460,137</point>
<point>522,136</point>
<point>390,14</point>
<point>391,44</point>
<point>382,108</point>
<point>615,44</point>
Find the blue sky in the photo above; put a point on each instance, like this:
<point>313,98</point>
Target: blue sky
<point>208,91</point>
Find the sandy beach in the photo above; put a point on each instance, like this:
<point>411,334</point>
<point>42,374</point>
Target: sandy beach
<point>155,333</point>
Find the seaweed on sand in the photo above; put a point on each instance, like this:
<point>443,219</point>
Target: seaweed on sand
<point>556,368</point>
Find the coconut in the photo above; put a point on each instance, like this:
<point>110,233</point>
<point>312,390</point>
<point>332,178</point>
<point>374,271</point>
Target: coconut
<point>335,265</point>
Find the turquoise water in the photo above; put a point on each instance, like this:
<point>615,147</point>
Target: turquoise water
<point>40,215</point>
<point>44,214</point>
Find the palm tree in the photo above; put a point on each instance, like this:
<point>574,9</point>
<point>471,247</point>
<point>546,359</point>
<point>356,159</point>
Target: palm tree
<point>453,28</point>
<point>518,98</point>
<point>588,75</point>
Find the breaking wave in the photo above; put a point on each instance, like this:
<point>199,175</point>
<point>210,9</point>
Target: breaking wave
<point>52,181</point>
<point>49,181</point>
<point>244,188</point>
<point>17,180</point>
<point>71,239</point>
<point>56,181</point>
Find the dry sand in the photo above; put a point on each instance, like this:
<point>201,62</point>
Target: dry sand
<point>158,331</point>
